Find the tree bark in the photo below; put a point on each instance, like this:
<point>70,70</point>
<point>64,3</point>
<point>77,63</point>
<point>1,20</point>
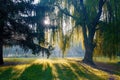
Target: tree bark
<point>1,53</point>
<point>1,44</point>
<point>1,39</point>
<point>89,45</point>
<point>89,48</point>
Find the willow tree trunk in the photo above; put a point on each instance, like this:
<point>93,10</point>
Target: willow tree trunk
<point>1,40</point>
<point>89,48</point>
<point>1,51</point>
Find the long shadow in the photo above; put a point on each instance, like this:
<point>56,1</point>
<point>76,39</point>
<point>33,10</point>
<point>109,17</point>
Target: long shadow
<point>65,72</point>
<point>112,68</point>
<point>85,73</point>
<point>36,72</point>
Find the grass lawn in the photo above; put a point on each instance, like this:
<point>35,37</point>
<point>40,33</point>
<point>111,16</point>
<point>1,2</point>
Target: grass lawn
<point>54,69</point>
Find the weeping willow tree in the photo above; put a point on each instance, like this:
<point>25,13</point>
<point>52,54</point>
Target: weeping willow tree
<point>96,20</point>
<point>87,14</point>
<point>70,35</point>
<point>83,15</point>
<point>60,35</point>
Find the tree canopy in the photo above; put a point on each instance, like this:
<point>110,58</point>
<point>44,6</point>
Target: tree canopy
<point>21,22</point>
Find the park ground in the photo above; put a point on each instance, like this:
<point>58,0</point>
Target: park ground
<point>58,69</point>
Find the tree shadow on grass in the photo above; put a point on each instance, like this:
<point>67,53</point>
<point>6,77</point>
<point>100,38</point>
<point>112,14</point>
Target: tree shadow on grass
<point>72,71</point>
<point>85,73</point>
<point>65,73</point>
<point>7,74</point>
<point>112,68</point>
<point>37,72</point>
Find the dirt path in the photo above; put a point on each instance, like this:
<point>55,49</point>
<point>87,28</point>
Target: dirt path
<point>110,68</point>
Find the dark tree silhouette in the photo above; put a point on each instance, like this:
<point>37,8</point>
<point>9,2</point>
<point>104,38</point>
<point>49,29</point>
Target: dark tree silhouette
<point>21,22</point>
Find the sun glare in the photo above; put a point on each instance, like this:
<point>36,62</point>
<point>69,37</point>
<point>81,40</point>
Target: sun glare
<point>47,21</point>
<point>36,1</point>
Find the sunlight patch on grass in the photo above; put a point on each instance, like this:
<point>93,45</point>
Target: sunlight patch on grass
<point>21,67</point>
<point>19,70</point>
<point>26,60</point>
<point>54,71</point>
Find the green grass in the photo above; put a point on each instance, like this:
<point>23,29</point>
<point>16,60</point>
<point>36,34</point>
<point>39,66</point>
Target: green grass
<point>50,69</point>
